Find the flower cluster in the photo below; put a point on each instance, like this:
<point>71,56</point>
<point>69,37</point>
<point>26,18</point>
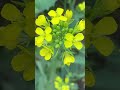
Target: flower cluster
<point>54,33</point>
<point>62,85</point>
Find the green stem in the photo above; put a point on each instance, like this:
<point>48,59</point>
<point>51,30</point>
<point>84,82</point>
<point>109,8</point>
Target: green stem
<point>40,67</point>
<point>65,4</point>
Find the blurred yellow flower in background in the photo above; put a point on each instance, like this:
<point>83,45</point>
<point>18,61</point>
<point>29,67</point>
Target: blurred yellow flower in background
<point>61,84</point>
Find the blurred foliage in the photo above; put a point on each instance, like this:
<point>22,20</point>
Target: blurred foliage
<point>42,5</point>
<point>100,27</point>
<point>18,35</point>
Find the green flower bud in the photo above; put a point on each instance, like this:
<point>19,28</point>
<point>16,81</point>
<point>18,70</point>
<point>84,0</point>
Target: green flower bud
<point>60,42</point>
<point>65,24</point>
<point>54,26</point>
<point>57,40</point>
<point>58,32</point>
<point>71,30</point>
<point>54,30</point>
<point>58,27</point>
<point>57,46</point>
<point>53,34</point>
<point>62,23</point>
<point>64,30</point>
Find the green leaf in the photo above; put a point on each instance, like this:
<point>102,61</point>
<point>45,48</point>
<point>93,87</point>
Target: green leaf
<point>24,62</point>
<point>29,10</point>
<point>106,26</point>
<point>89,78</point>
<point>41,5</point>
<point>87,41</point>
<point>89,26</point>
<point>10,35</point>
<point>29,27</point>
<point>10,12</point>
<point>104,45</point>
<point>110,5</point>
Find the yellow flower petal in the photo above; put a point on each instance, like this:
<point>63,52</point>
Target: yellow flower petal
<point>43,51</point>
<point>60,11</point>
<point>41,20</point>
<point>48,56</point>
<point>82,6</point>
<point>68,59</point>
<point>39,31</point>
<point>72,60</point>
<point>69,14</point>
<point>81,25</point>
<point>63,18</point>
<point>68,44</point>
<point>55,21</point>
<point>78,45</point>
<point>69,37</point>
<point>59,79</point>
<point>65,87</point>
<point>57,85</point>
<point>48,37</point>
<point>52,13</point>
<point>39,41</point>
<point>48,30</point>
<point>79,37</point>
<point>66,80</point>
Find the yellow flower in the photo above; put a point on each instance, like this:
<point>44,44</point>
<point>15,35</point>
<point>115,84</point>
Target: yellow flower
<point>73,40</point>
<point>68,59</point>
<point>65,87</point>
<point>66,80</point>
<point>69,14</point>
<point>82,6</point>
<point>41,21</point>
<point>57,16</point>
<point>59,79</point>
<point>60,84</point>
<point>81,25</point>
<point>39,41</point>
<point>44,34</point>
<point>57,85</point>
<point>46,53</point>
